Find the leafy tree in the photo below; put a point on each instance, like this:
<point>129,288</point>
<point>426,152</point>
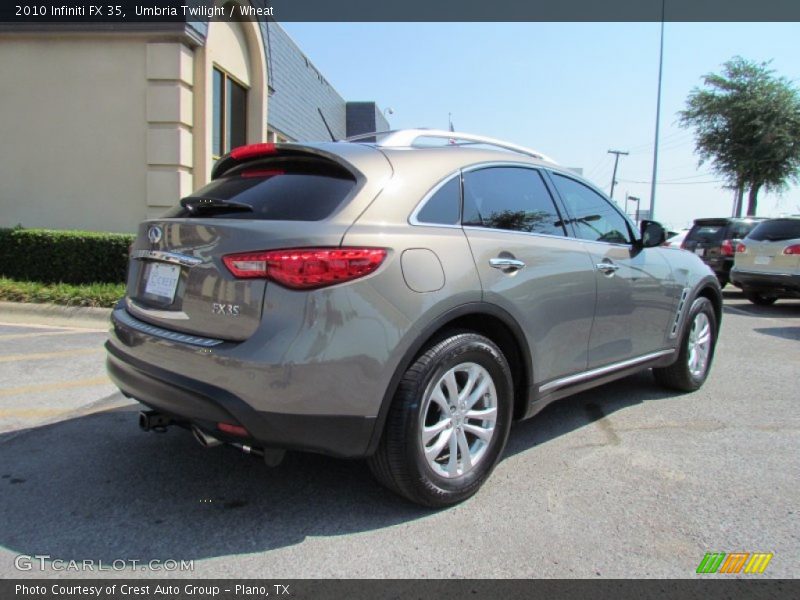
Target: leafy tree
<point>747,124</point>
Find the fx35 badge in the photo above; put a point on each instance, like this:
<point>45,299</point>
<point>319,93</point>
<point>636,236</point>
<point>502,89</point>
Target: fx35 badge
<point>231,310</point>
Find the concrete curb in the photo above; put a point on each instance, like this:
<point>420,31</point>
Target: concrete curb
<point>53,314</point>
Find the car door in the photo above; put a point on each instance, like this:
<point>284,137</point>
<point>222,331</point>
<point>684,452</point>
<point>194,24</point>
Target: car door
<point>528,266</point>
<point>635,295</point>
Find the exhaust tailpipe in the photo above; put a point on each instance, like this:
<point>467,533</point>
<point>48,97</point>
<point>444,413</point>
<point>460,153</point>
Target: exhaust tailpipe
<point>151,420</point>
<point>205,440</point>
<point>272,457</point>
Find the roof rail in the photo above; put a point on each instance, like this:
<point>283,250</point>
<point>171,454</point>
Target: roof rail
<point>405,138</point>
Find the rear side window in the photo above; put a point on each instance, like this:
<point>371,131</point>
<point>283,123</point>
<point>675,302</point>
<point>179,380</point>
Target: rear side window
<point>776,230</point>
<point>707,233</point>
<point>510,198</point>
<point>444,206</point>
<point>273,190</point>
<point>740,229</point>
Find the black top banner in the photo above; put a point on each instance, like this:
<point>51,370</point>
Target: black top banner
<point>32,12</point>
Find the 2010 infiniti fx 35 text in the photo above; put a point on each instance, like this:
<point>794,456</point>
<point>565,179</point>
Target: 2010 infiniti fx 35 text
<point>402,300</point>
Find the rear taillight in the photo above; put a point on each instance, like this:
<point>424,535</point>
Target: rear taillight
<point>726,248</point>
<point>793,250</point>
<point>741,248</point>
<point>306,268</point>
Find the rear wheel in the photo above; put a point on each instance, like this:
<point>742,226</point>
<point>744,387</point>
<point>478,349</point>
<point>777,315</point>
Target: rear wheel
<point>760,299</point>
<point>698,339</point>
<point>448,422</point>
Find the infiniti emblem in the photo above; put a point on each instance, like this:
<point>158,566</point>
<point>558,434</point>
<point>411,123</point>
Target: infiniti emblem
<point>154,234</point>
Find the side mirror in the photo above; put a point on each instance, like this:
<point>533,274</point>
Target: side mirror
<point>653,234</point>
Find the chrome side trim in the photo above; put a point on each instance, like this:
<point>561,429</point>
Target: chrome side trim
<point>528,233</point>
<point>586,375</point>
<point>170,257</point>
<point>121,316</point>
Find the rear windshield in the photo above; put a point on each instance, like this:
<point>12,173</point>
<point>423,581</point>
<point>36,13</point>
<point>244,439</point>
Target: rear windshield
<point>777,230</point>
<point>274,190</point>
<point>706,233</point>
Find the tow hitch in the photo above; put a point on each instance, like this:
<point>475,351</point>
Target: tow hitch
<point>150,420</point>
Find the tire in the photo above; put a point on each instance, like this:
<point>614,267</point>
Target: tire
<point>421,418</point>
<point>760,299</point>
<point>687,374</point>
<point>723,280</point>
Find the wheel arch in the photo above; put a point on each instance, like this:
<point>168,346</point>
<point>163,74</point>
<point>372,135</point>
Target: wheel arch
<point>482,318</point>
<point>711,290</point>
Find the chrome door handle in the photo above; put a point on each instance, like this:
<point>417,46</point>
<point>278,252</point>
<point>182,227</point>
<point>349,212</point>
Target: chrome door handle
<point>607,267</point>
<point>506,264</point>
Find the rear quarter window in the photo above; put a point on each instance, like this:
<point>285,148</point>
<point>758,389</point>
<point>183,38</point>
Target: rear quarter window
<point>775,231</point>
<point>273,190</point>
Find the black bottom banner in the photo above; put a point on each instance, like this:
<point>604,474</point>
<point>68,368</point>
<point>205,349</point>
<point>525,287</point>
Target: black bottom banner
<point>405,589</point>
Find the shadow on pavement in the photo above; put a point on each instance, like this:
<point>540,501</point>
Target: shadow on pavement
<point>96,487</point>
<point>787,333</point>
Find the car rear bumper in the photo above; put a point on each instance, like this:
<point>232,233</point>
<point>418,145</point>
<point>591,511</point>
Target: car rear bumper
<point>721,265</point>
<point>774,284</point>
<point>199,386</point>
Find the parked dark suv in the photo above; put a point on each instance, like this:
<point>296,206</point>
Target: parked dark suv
<point>714,240</point>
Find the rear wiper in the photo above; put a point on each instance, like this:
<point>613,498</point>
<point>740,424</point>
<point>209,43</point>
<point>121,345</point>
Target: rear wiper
<point>197,205</point>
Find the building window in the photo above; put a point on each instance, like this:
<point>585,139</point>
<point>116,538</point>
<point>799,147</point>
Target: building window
<point>229,121</point>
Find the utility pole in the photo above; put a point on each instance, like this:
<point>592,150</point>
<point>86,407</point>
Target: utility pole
<point>616,154</point>
<point>637,200</point>
<point>658,116</point>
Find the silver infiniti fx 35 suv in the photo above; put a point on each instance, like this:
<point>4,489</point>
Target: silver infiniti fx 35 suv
<point>402,299</point>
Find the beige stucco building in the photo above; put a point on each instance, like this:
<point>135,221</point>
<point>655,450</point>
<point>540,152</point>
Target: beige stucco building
<point>103,129</point>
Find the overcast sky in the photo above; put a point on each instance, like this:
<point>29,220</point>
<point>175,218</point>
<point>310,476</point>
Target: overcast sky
<point>571,90</point>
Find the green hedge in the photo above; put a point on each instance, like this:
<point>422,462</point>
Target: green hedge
<point>74,257</point>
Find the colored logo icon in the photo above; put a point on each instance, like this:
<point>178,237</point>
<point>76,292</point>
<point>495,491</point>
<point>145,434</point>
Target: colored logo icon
<point>736,562</point>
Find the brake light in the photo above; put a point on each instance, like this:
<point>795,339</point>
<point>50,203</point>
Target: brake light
<point>306,268</point>
<point>726,248</point>
<point>741,248</point>
<point>253,150</point>
<point>262,172</point>
<point>233,429</point>
<point>793,250</point>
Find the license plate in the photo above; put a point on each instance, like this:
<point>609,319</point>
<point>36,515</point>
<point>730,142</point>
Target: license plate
<point>162,280</point>
<point>700,251</point>
<point>762,260</point>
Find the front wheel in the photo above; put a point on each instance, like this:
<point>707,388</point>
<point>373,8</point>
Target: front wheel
<point>698,339</point>
<point>448,422</point>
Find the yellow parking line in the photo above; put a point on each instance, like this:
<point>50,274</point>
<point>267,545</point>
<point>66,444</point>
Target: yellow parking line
<point>46,387</point>
<point>19,336</point>
<point>32,413</point>
<point>46,355</point>
<point>42,326</point>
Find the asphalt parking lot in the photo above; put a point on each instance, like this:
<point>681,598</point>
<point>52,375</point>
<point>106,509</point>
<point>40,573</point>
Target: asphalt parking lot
<point>626,480</point>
